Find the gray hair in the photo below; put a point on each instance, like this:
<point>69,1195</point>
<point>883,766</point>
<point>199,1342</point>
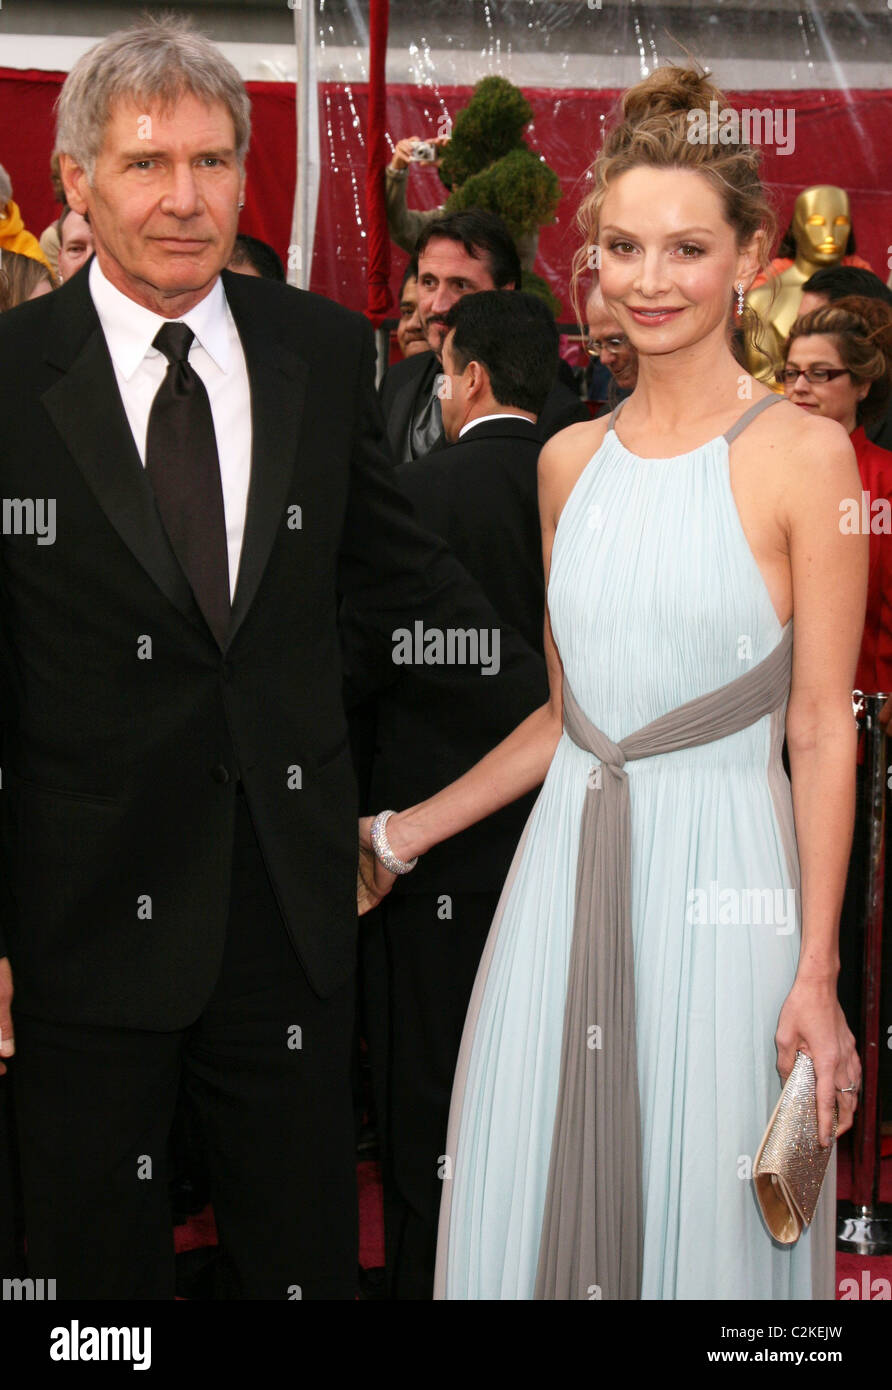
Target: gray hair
<point>157,60</point>
<point>5,187</point>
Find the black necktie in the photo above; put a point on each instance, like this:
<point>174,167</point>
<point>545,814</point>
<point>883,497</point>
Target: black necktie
<point>184,470</point>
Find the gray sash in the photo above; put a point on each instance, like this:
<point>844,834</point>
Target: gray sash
<point>592,1230</point>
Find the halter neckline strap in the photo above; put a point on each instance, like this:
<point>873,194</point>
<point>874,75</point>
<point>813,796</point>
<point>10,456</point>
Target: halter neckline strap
<point>737,428</point>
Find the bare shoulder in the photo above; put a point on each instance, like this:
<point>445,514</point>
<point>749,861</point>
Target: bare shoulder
<point>561,461</point>
<point>796,436</point>
<point>807,455</point>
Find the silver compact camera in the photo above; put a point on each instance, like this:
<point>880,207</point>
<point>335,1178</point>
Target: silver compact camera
<point>423,152</point>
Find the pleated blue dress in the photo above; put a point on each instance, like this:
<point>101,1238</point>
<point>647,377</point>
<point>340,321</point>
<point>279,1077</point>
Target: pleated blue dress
<point>655,598</point>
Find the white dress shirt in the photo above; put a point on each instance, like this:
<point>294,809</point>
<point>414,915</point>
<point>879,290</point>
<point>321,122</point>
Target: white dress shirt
<point>500,415</point>
<point>218,358</point>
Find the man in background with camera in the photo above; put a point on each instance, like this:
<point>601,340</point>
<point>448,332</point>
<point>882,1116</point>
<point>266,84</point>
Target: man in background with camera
<point>406,224</point>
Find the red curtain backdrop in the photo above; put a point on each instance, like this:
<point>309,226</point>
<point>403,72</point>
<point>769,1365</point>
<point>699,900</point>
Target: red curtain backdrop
<point>840,138</point>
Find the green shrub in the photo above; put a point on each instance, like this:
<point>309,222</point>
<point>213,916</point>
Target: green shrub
<point>490,125</point>
<point>520,187</point>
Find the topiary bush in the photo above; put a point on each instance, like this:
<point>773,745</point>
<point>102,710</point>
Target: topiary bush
<point>520,187</point>
<point>490,125</point>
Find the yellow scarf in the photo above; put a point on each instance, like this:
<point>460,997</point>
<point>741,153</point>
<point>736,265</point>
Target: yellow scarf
<point>14,237</point>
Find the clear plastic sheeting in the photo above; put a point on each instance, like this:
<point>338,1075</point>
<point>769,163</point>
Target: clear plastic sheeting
<point>819,73</point>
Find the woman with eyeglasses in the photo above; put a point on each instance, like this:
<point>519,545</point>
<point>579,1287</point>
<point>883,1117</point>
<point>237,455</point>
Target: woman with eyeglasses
<point>610,349</point>
<point>838,363</point>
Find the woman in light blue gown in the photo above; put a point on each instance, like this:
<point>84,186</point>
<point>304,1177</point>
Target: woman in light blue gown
<point>667,936</point>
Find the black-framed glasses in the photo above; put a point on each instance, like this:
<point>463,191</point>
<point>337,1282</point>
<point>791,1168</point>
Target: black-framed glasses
<point>815,376</point>
<point>593,346</point>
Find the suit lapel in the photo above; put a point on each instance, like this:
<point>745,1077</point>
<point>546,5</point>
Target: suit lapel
<point>278,380</point>
<point>85,406</point>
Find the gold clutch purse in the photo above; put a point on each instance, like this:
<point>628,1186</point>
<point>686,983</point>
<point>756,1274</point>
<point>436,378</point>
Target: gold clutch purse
<point>790,1165</point>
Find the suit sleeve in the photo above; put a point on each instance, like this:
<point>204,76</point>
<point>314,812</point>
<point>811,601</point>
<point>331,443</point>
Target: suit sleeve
<point>423,483</point>
<point>392,572</point>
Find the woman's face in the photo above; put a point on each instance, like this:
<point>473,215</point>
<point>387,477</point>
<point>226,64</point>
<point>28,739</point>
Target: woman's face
<point>669,261</point>
<point>837,399</point>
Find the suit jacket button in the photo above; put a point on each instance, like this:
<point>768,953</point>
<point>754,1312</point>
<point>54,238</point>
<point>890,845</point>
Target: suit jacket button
<point>220,774</point>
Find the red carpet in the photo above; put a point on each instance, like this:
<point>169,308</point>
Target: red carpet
<point>371,1216</point>
<point>200,1230</point>
<point>872,1275</point>
<point>844,1170</point>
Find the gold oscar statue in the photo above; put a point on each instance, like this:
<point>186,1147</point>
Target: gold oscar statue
<point>821,227</point>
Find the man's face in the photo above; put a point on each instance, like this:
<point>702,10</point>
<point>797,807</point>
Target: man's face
<point>445,273</point>
<point>409,333</point>
<point>614,348</point>
<point>810,301</point>
<point>164,200</point>
<point>75,244</point>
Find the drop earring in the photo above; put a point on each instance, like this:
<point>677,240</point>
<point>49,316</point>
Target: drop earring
<point>739,298</point>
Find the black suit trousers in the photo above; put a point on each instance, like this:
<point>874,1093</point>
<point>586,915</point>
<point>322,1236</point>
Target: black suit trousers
<point>267,1065</point>
<point>418,972</point>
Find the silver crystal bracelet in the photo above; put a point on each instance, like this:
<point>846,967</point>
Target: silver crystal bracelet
<point>382,848</point>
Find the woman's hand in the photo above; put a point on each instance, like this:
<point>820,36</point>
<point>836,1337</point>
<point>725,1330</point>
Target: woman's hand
<point>812,1021</point>
<point>7,1036</point>
<point>373,881</point>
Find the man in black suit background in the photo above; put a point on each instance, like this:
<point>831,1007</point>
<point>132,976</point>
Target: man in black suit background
<point>458,254</point>
<point>421,948</point>
<point>202,469</point>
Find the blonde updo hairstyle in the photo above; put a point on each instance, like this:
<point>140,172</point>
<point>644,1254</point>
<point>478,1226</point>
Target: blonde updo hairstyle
<point>652,130</point>
<point>861,328</point>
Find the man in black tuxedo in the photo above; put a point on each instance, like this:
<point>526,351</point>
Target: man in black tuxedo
<point>460,253</point>
<point>202,472</point>
<point>421,948</point>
